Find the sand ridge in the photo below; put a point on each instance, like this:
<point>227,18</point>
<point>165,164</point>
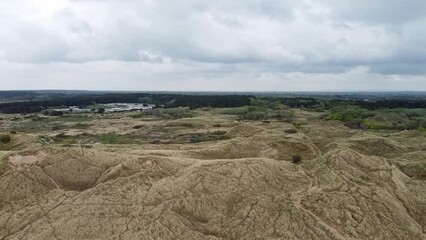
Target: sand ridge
<point>241,187</point>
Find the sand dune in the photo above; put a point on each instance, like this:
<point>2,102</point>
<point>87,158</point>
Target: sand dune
<point>349,185</point>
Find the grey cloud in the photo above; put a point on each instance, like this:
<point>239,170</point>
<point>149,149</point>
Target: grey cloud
<point>219,39</point>
<point>388,12</point>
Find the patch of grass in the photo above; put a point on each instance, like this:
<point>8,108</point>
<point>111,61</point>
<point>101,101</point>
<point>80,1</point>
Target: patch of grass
<point>233,111</point>
<point>297,124</point>
<point>178,112</point>
<point>390,119</point>
<point>207,137</point>
<point>58,127</point>
<point>38,124</point>
<point>107,138</point>
<point>259,109</point>
<point>112,138</point>
<point>80,126</point>
<point>66,139</point>
<point>219,132</point>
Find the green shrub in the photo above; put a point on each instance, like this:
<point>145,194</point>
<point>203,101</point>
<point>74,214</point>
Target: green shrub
<point>259,110</point>
<point>391,119</point>
<point>291,131</point>
<point>110,138</point>
<point>296,159</point>
<point>256,115</point>
<point>198,138</point>
<point>56,113</point>
<point>412,114</point>
<point>298,124</point>
<point>5,138</point>
<point>233,111</point>
<point>268,104</point>
<point>101,110</point>
<point>205,137</point>
<point>179,112</point>
<point>356,124</point>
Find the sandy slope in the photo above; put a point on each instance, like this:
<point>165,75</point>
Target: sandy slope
<point>348,186</point>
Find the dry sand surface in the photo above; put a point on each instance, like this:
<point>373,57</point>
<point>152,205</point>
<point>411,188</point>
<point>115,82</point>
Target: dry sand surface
<point>351,184</point>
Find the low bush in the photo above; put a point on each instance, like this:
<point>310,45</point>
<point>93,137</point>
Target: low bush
<point>233,111</point>
<point>297,159</point>
<point>297,124</point>
<point>390,119</point>
<point>5,138</point>
<point>215,136</point>
<point>292,130</point>
<point>56,113</point>
<point>179,112</point>
<point>101,110</point>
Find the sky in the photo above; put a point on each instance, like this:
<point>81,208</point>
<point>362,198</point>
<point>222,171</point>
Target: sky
<point>220,45</point>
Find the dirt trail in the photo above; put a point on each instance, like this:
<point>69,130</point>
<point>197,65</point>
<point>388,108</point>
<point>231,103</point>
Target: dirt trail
<point>298,204</point>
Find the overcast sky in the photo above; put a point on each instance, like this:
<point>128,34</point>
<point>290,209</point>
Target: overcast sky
<point>214,45</point>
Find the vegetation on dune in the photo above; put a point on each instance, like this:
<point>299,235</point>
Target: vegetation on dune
<point>354,111</point>
<point>39,123</point>
<point>175,113</point>
<point>179,112</point>
<point>333,182</point>
<point>260,109</point>
<point>392,119</point>
<point>290,131</point>
<point>5,138</point>
<point>105,138</point>
<point>296,159</point>
<point>233,111</point>
<point>207,137</point>
<point>101,110</point>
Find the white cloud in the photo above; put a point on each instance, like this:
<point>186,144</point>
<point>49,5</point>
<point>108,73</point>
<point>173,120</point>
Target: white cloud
<point>257,44</point>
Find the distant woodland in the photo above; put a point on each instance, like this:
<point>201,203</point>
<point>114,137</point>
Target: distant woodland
<point>37,101</point>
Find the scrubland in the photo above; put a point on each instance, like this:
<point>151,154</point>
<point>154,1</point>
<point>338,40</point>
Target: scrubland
<point>210,174</point>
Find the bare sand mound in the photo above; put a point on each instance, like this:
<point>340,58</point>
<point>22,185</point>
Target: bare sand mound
<point>345,187</point>
<point>342,195</point>
<point>359,193</point>
<point>26,158</point>
<point>19,142</point>
<point>378,146</point>
<point>272,147</point>
<point>413,164</point>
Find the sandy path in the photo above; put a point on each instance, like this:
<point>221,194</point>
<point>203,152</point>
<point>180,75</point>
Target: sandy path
<point>298,204</point>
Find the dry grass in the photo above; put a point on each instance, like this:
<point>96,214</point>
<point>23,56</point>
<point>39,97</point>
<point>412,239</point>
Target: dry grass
<point>347,184</point>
